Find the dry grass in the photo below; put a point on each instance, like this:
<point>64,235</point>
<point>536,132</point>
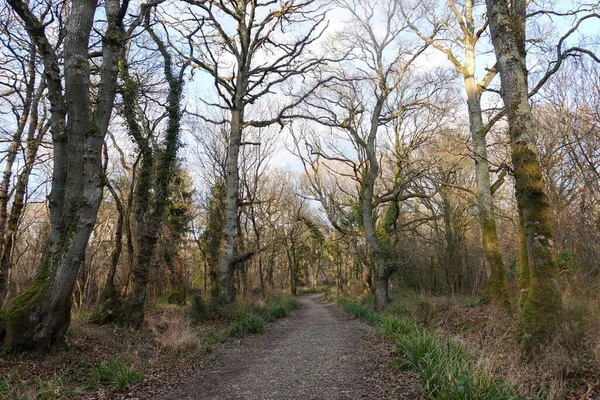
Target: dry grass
<point>173,331</point>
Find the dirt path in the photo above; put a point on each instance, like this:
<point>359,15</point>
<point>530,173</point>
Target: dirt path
<point>317,353</point>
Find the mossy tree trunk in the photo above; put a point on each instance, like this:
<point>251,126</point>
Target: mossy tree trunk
<point>227,254</point>
<point>371,173</point>
<point>497,290</point>
<point>152,191</point>
<point>524,273</point>
<point>542,308</point>
<point>39,316</point>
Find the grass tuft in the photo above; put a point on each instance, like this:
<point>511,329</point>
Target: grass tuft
<point>114,373</point>
<point>250,323</point>
<point>359,311</point>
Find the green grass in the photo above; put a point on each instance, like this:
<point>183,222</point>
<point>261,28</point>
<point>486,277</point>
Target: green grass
<point>251,319</point>
<point>359,311</point>
<point>445,369</point>
<point>250,323</point>
<point>273,313</point>
<point>113,373</point>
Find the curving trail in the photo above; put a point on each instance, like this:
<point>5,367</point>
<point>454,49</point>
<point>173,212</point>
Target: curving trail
<point>317,353</point>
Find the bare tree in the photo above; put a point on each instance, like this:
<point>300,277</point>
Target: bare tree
<point>25,93</point>
<point>361,105</point>
<point>247,66</point>
<point>462,30</point>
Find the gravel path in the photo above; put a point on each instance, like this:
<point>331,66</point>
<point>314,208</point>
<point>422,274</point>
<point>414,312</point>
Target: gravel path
<point>317,353</point>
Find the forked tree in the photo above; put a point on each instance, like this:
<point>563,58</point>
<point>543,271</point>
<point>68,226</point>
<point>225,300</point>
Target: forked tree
<point>40,316</point>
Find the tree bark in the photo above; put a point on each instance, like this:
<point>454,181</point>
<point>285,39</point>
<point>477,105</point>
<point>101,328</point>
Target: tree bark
<point>382,290</point>
<point>232,183</point>
<point>152,193</point>
<point>524,272</point>
<point>543,305</point>
<point>39,317</point>
<point>497,290</point>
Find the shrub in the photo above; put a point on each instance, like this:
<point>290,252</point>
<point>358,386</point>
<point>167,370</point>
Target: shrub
<point>249,323</point>
<point>177,297</point>
<point>290,303</point>
<point>274,312</point>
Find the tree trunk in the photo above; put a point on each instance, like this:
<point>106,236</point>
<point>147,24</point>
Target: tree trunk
<point>497,291</point>
<point>232,179</point>
<point>261,278</point>
<point>543,306</point>
<point>151,208</point>
<point>40,316</point>
<point>383,279</point>
<point>524,273</point>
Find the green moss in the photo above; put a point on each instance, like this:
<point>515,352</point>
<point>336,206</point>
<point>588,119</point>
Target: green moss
<point>543,304</point>
<point>15,316</point>
<point>497,290</point>
<point>111,306</point>
<point>541,313</point>
<point>524,272</point>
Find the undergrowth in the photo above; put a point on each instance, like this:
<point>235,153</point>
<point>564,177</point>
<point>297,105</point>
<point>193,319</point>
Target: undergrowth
<point>446,370</point>
<point>171,331</point>
<point>113,374</point>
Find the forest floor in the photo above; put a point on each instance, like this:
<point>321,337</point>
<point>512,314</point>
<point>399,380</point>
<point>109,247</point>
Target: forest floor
<point>316,353</point>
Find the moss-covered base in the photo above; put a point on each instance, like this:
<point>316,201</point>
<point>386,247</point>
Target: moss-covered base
<point>542,312</point>
<point>19,315</point>
<point>112,306</point>
<point>30,322</point>
<point>497,291</point>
